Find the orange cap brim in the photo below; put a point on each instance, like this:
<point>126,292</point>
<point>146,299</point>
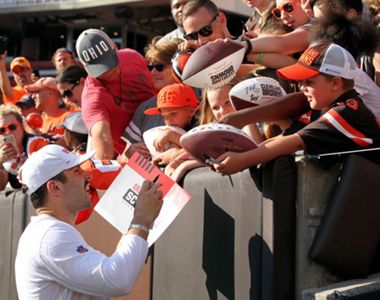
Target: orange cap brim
<point>152,111</point>
<point>156,110</point>
<point>296,72</point>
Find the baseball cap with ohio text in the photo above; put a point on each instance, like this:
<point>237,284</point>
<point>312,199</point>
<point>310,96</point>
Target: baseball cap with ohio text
<point>48,162</point>
<point>325,58</point>
<point>96,52</point>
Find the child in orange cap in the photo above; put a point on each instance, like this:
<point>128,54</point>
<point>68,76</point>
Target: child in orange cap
<point>177,104</point>
<point>326,73</point>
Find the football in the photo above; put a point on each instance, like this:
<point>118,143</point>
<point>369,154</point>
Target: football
<point>179,61</point>
<point>150,135</point>
<point>255,91</point>
<point>213,64</point>
<point>209,141</point>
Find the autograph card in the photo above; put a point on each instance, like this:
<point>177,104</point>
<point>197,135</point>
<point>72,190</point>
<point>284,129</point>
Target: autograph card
<point>118,202</point>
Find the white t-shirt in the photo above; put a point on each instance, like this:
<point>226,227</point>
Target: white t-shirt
<point>54,262</point>
<point>369,92</point>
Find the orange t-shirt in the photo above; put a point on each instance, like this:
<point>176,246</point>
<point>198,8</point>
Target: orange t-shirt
<point>50,123</point>
<point>103,173</point>
<point>18,92</point>
<point>35,143</point>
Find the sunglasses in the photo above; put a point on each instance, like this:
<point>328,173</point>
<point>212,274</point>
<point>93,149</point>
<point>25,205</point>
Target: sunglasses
<point>68,93</point>
<point>11,127</point>
<point>158,67</point>
<point>204,31</point>
<point>287,7</point>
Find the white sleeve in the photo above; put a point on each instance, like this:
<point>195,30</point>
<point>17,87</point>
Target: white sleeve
<point>77,266</point>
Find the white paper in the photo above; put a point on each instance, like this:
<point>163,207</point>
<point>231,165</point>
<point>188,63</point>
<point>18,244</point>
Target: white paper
<point>116,204</point>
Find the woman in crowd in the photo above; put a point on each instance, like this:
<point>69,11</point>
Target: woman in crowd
<point>70,83</point>
<point>15,145</point>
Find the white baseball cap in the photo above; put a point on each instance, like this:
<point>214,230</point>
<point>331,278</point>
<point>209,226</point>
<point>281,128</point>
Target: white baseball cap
<point>325,58</point>
<point>48,162</point>
<point>74,122</point>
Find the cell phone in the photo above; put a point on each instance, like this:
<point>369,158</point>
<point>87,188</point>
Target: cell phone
<point>3,44</point>
<point>9,139</point>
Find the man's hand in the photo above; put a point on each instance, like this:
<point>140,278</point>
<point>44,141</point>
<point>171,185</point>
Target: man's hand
<point>148,204</point>
<point>7,152</point>
<point>164,137</point>
<point>164,158</point>
<point>189,45</point>
<point>229,163</point>
<point>249,35</point>
<point>3,60</point>
<point>139,147</point>
<point>305,4</point>
<point>234,119</point>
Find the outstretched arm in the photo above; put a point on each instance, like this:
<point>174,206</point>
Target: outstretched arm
<point>165,136</point>
<point>271,60</point>
<point>288,43</point>
<point>102,140</point>
<point>232,162</point>
<point>288,106</point>
<point>5,84</point>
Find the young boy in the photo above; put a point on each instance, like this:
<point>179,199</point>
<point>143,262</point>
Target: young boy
<point>76,133</point>
<point>177,104</point>
<point>326,74</point>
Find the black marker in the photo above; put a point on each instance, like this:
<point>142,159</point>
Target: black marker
<point>154,181</point>
<point>210,161</point>
<point>245,29</point>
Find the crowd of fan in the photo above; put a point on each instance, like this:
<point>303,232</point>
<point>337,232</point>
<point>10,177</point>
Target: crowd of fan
<point>108,99</point>
<point>117,95</point>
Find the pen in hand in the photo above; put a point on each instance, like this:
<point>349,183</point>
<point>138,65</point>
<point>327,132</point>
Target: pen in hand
<point>245,29</point>
<point>154,181</point>
<point>210,161</point>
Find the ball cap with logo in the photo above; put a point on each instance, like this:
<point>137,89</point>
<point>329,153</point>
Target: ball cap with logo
<point>174,95</point>
<point>324,58</point>
<point>20,61</point>
<point>48,162</point>
<point>96,52</point>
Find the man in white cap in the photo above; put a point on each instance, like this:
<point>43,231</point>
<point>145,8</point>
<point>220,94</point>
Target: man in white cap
<point>117,82</point>
<point>53,260</point>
